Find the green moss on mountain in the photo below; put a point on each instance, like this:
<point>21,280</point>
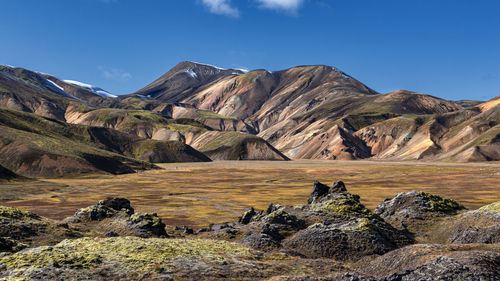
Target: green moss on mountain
<point>229,139</point>
<point>206,114</point>
<point>166,152</point>
<point>40,146</point>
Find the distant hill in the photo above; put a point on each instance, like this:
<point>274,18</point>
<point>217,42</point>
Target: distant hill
<point>35,146</point>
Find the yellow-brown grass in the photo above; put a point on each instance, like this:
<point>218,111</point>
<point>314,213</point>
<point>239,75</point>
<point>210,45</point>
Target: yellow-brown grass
<point>197,194</point>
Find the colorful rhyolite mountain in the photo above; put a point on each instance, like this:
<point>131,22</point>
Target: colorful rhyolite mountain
<point>305,112</point>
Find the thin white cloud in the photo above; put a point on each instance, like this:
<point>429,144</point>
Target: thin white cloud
<point>221,7</point>
<point>285,5</point>
<point>115,74</point>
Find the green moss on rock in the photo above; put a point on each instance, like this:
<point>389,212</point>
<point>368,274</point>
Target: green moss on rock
<point>345,205</point>
<point>130,254</point>
<point>150,219</point>
<point>493,207</point>
<point>366,225</point>
<point>14,213</point>
<point>440,204</point>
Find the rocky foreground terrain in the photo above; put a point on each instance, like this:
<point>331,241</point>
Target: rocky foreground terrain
<point>413,236</point>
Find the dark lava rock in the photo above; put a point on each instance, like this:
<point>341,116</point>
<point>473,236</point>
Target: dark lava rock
<point>478,226</point>
<point>147,224</point>
<point>416,210</point>
<point>10,245</point>
<point>261,241</point>
<point>187,230</point>
<point>271,228</point>
<point>112,234</point>
<point>247,216</point>
<point>434,262</point>
<point>320,190</point>
<point>339,243</point>
<point>20,227</point>
<point>333,225</point>
<point>116,216</point>
<point>479,266</point>
<point>486,235</point>
<point>340,227</point>
<point>104,209</point>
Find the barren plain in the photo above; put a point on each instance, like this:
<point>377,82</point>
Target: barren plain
<point>197,194</point>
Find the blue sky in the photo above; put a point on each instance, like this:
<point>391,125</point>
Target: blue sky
<point>446,48</point>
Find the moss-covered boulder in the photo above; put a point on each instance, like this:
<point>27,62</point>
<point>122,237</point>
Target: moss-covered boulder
<point>341,227</point>
<point>10,245</point>
<point>103,209</point>
<point>493,208</point>
<point>333,225</point>
<point>148,223</point>
<point>116,217</point>
<point>477,226</point>
<point>19,229</point>
<point>434,262</point>
<point>121,257</point>
<point>417,211</point>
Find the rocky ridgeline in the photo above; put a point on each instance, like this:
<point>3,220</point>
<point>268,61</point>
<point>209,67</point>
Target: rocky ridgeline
<point>413,236</point>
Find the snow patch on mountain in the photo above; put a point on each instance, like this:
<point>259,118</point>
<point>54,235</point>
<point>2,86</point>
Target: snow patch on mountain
<point>58,88</point>
<point>191,73</point>
<point>216,67</point>
<point>55,85</point>
<point>93,89</point>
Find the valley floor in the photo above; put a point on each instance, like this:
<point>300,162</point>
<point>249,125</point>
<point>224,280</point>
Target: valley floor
<point>196,194</point>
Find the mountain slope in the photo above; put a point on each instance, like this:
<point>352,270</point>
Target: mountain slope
<point>217,144</point>
<point>305,111</point>
<point>88,94</point>
<point>28,91</point>
<point>31,145</point>
<point>8,175</point>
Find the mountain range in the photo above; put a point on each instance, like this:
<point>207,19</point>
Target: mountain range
<point>197,112</point>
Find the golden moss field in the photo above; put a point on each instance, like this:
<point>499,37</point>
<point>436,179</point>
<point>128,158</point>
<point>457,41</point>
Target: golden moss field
<point>197,194</point>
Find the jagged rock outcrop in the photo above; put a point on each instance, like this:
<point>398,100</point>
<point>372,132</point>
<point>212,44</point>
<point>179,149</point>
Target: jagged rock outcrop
<point>20,229</point>
<point>434,219</point>
<point>115,217</point>
<point>334,224</point>
<point>413,210</point>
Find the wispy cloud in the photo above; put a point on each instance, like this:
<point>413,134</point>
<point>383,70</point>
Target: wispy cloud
<point>284,5</point>
<point>115,74</point>
<point>221,7</point>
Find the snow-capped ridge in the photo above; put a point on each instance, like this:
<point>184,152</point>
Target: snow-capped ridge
<point>59,88</point>
<point>93,89</point>
<point>216,67</point>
